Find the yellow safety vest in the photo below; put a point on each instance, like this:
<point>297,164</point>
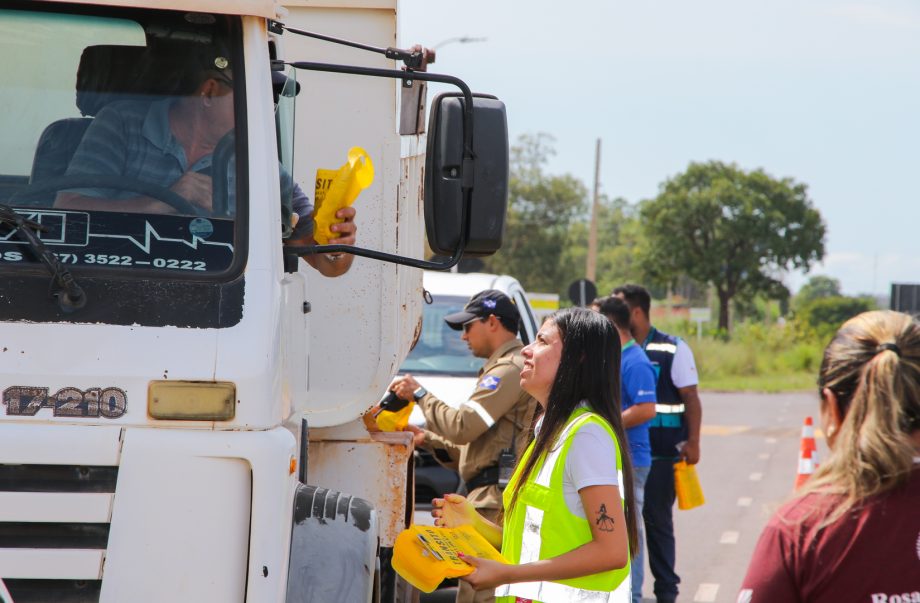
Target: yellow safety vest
<point>541,527</point>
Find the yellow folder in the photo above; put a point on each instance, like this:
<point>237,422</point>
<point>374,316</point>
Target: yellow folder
<point>426,555</point>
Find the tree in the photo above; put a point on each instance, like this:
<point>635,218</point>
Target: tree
<point>817,287</point>
<point>733,229</point>
<point>618,238</point>
<point>824,315</point>
<point>541,210</point>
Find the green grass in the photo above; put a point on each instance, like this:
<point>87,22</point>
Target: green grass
<point>770,384</point>
<point>757,358</point>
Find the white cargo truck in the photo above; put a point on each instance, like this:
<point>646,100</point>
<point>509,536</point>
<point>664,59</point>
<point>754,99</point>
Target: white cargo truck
<point>182,395</point>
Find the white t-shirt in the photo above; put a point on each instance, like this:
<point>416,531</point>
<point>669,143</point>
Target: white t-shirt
<point>683,367</point>
<point>591,461</point>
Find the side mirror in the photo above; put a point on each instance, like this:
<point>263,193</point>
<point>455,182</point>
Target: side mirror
<point>443,194</point>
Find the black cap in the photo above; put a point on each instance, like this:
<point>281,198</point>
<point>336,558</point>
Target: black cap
<point>482,305</point>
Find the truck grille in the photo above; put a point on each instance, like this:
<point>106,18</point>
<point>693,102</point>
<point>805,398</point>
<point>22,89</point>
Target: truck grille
<point>57,591</point>
<point>57,478</point>
<point>34,526</point>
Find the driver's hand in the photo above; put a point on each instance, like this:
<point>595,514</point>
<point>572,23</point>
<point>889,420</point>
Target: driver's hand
<point>196,188</point>
<point>346,231</point>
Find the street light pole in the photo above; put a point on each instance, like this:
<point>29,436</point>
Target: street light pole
<point>591,262</point>
<point>459,40</point>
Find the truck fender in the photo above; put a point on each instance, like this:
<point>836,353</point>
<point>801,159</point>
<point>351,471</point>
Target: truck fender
<point>333,547</point>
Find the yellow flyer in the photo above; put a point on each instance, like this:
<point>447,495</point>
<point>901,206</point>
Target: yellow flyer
<point>687,486</point>
<point>426,555</point>
<point>339,188</point>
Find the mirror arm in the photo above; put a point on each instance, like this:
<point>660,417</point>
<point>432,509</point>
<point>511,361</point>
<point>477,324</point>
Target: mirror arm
<point>378,255</point>
<point>467,177</point>
<point>413,59</point>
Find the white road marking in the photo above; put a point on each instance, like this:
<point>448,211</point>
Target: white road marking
<point>756,477</point>
<point>730,537</point>
<point>763,456</point>
<point>771,440</point>
<point>706,593</point>
<point>745,501</point>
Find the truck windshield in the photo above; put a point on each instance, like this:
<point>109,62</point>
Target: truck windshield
<point>440,350</point>
<point>119,138</point>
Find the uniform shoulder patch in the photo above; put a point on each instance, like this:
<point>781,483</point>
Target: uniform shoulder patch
<point>489,382</point>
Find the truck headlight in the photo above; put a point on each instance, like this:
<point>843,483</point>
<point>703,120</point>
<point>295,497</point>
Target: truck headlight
<point>191,400</point>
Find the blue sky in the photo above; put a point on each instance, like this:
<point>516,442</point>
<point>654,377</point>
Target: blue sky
<point>824,92</point>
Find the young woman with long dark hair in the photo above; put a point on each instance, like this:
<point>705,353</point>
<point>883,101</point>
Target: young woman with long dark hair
<point>566,531</point>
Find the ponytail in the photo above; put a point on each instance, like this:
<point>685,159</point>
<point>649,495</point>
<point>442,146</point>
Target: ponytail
<point>873,368</point>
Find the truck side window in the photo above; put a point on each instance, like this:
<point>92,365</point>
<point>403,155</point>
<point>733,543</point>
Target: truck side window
<point>286,87</point>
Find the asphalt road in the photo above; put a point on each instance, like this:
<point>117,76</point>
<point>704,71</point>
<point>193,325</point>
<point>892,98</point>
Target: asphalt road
<point>749,456</point>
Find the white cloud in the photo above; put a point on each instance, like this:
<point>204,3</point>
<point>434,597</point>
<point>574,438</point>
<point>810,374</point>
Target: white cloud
<point>863,13</point>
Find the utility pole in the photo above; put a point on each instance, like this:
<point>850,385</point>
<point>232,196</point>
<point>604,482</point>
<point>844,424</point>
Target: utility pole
<point>591,264</point>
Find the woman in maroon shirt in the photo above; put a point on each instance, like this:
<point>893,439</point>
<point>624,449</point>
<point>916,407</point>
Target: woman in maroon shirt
<point>853,532</point>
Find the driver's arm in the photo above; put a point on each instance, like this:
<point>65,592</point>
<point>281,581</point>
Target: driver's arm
<point>147,205</point>
<point>327,264</point>
<point>103,151</point>
<point>192,186</point>
<point>332,264</point>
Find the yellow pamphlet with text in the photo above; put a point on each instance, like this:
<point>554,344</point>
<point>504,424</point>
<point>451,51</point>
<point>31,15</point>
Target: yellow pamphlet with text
<point>339,188</point>
<point>426,555</point>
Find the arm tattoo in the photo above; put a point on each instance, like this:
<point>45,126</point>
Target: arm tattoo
<point>604,521</point>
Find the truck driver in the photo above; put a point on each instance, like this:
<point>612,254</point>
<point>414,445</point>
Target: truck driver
<point>171,141</point>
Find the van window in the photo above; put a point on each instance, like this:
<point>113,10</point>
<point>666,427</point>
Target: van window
<point>440,350</point>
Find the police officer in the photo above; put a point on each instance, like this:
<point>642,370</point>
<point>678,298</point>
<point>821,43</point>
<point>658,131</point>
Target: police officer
<point>487,430</point>
<point>674,434</point>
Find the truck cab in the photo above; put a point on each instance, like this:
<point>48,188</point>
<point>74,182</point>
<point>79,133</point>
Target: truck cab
<point>173,377</point>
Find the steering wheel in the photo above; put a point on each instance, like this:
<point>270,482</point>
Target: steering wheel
<point>32,193</point>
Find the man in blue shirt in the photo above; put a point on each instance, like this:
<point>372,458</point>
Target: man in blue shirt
<point>637,394</point>
<point>674,434</point>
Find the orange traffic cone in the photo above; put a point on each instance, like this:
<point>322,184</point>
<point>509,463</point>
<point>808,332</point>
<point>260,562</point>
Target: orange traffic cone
<point>808,454</point>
